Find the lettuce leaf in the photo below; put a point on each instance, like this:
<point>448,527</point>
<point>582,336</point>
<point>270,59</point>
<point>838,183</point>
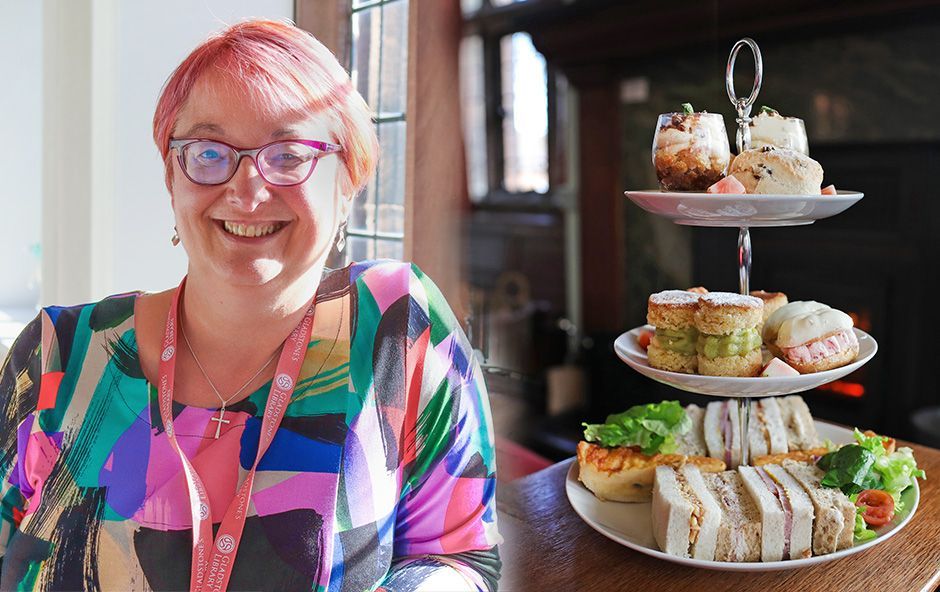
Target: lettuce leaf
<point>849,469</point>
<point>867,465</point>
<point>862,532</point>
<point>652,427</point>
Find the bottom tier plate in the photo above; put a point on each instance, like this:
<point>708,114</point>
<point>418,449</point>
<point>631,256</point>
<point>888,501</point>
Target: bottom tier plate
<point>628,349</point>
<point>631,525</point>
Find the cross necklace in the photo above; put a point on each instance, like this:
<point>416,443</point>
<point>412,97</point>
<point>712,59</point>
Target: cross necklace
<point>221,418</point>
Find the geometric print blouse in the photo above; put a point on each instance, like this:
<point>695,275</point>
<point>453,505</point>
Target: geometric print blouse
<point>381,475</point>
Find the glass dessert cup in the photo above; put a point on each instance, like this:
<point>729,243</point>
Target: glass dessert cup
<point>690,151</point>
<point>773,129</point>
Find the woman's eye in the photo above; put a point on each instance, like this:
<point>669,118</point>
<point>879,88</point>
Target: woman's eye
<point>288,159</point>
<point>210,155</point>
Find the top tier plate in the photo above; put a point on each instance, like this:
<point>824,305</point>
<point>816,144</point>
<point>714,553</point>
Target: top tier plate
<point>722,209</point>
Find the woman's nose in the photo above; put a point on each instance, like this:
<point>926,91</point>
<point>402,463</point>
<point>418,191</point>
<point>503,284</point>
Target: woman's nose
<point>247,189</point>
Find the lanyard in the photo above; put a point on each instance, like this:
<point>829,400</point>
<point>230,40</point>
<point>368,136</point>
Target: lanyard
<point>213,559</point>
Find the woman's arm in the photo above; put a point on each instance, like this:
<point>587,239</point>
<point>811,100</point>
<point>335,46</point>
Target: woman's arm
<point>19,393</point>
<point>445,530</point>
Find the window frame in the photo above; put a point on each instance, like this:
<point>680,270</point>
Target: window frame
<point>434,203</point>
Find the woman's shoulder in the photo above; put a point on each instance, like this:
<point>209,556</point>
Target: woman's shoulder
<point>390,280</point>
<point>107,313</point>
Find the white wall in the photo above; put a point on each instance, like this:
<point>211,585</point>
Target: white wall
<point>20,153</point>
<point>107,219</point>
<point>154,37</point>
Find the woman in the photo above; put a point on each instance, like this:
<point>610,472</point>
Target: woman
<point>321,429</point>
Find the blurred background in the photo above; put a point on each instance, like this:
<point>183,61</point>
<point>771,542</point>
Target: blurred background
<point>509,132</point>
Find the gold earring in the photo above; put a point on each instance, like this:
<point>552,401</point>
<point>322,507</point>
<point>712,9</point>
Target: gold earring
<point>175,239</point>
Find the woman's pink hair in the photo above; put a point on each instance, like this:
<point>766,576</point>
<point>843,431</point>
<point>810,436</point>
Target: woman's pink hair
<point>285,70</point>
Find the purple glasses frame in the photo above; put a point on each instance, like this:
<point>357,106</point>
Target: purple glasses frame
<point>324,149</point>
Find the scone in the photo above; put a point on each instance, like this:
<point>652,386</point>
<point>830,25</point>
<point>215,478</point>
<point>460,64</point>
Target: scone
<point>772,301</point>
<point>624,474</point>
<point>777,171</point>
<point>728,341</point>
<point>672,312</point>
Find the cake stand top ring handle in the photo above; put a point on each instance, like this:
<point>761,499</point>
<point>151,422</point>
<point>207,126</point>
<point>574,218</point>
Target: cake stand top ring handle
<point>741,105</point>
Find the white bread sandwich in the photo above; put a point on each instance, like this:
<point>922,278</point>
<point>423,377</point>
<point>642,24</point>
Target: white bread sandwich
<point>722,430</point>
<point>811,337</point>
<point>685,515</point>
<point>624,474</point>
<point>692,442</point>
<point>786,512</point>
<point>766,432</point>
<point>739,534</point>
<point>834,519</point>
<point>799,425</point>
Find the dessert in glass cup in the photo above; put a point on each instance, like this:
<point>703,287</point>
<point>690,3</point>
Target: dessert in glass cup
<point>690,150</point>
<point>769,128</point>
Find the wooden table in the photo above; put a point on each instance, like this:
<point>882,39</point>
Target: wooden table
<point>548,548</point>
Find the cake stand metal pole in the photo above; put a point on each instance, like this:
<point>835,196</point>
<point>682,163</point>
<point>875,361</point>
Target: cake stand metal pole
<point>742,106</point>
<point>744,260</point>
<point>744,278</point>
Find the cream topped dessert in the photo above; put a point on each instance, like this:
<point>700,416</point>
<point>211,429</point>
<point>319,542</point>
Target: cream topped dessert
<point>690,150</point>
<point>769,128</point>
<point>811,337</point>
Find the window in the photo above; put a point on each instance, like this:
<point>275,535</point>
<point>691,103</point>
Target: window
<point>379,68</point>
<point>510,101</point>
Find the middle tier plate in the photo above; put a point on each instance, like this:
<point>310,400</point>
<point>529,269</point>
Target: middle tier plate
<point>628,349</point>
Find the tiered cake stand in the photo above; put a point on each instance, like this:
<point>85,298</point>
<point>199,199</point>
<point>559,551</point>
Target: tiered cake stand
<point>743,212</point>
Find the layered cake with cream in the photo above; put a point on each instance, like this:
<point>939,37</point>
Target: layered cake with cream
<point>811,336</point>
<point>672,312</point>
<point>728,342</point>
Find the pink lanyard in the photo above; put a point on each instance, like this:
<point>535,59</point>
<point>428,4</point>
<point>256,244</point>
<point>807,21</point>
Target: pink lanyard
<point>212,563</point>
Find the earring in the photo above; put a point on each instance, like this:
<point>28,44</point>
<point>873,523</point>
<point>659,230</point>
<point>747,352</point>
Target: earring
<point>175,239</point>
<point>341,237</point>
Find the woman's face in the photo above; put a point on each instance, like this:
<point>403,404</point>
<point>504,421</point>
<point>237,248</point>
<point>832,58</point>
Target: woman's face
<point>305,216</point>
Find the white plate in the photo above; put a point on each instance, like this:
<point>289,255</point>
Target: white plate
<point>630,524</point>
<point>725,209</point>
<point>630,352</point>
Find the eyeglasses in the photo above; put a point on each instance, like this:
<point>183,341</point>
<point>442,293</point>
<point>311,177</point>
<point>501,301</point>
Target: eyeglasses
<point>283,163</point>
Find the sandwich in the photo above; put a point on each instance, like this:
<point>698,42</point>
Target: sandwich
<point>728,341</point>
<point>834,514</point>
<point>673,346</point>
<point>722,431</point>
<point>811,338</point>
<point>785,509</point>
<point>766,432</point>
<point>685,515</point>
<point>798,423</point>
<point>739,534</point>
<point>693,442</point>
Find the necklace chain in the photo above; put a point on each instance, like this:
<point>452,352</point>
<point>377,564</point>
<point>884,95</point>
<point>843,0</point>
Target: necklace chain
<point>209,380</point>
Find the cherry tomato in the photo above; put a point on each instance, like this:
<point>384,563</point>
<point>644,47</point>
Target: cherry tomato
<point>879,506</point>
<point>644,339</point>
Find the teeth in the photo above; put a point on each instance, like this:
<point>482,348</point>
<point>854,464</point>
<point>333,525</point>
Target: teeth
<point>251,230</point>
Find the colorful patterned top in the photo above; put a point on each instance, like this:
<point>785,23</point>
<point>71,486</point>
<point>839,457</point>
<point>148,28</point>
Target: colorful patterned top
<point>381,473</point>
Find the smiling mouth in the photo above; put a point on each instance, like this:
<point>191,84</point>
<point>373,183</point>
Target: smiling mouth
<point>251,230</point>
